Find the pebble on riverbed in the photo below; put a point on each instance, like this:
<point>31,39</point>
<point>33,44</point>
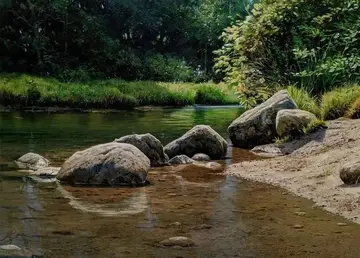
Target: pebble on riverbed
<point>177,241</point>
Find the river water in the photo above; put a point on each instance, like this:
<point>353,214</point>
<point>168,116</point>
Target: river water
<point>223,215</point>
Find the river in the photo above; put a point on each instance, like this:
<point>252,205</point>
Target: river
<point>223,215</point>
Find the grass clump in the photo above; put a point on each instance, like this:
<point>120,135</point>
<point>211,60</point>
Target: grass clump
<point>338,102</point>
<point>354,111</point>
<point>281,140</point>
<point>24,90</point>
<point>313,126</point>
<point>210,95</point>
<point>304,100</point>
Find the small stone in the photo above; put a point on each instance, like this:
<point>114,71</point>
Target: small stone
<point>10,247</point>
<point>177,223</point>
<point>204,226</point>
<point>298,226</point>
<point>177,241</point>
<point>300,213</point>
<point>201,157</point>
<point>341,224</point>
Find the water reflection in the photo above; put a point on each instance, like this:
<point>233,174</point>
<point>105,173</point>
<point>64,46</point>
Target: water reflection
<point>136,203</point>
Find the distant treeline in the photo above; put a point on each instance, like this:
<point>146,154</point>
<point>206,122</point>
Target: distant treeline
<point>162,40</point>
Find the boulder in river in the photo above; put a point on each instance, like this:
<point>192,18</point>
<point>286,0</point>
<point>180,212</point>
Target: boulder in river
<point>201,157</point>
<point>200,139</point>
<point>292,121</point>
<point>32,161</point>
<point>258,125</point>
<point>350,173</point>
<point>106,164</point>
<point>181,159</point>
<point>149,145</point>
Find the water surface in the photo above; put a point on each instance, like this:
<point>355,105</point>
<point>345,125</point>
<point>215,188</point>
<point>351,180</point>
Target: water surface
<point>223,215</point>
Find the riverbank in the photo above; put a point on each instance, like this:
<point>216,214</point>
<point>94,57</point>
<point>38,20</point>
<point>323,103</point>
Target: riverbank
<point>25,91</point>
<point>311,167</point>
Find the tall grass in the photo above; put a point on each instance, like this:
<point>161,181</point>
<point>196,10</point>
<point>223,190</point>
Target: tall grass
<point>304,100</point>
<point>24,90</point>
<point>338,102</point>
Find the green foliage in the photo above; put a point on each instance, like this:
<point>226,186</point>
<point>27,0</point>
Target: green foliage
<point>210,95</point>
<point>166,68</point>
<point>304,100</point>
<point>132,39</point>
<point>337,102</point>
<point>354,111</point>
<point>312,44</point>
<point>24,90</point>
<point>313,126</point>
<point>282,139</point>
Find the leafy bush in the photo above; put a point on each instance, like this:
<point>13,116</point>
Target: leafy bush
<point>312,44</point>
<point>304,100</point>
<point>337,102</point>
<point>166,68</point>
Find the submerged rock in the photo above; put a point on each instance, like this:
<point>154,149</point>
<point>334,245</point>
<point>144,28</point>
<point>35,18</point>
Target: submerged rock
<point>290,121</point>
<point>149,145</point>
<point>45,175</point>
<point>258,125</point>
<point>213,165</point>
<point>32,161</point>
<point>178,241</point>
<point>46,172</point>
<point>14,251</point>
<point>200,139</point>
<point>201,157</point>
<point>106,164</point>
<point>350,173</point>
<point>181,159</point>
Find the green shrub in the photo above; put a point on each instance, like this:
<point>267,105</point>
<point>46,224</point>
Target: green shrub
<point>311,44</point>
<point>166,68</point>
<point>304,100</point>
<point>337,102</point>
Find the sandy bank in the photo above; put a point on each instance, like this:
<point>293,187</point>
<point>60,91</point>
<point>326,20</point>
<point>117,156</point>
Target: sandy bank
<point>311,167</point>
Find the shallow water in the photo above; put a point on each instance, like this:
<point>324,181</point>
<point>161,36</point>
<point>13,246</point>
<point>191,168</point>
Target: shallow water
<point>223,215</point>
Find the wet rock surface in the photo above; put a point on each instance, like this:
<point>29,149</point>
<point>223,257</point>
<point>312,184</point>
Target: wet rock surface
<point>106,164</point>
<point>200,139</point>
<point>32,161</point>
<point>180,160</point>
<point>149,145</point>
<point>201,157</point>
<point>258,125</point>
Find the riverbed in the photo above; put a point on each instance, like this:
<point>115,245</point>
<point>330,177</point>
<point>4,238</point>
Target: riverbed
<point>223,215</point>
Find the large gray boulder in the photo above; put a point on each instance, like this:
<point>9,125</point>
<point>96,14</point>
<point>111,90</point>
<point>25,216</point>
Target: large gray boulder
<point>32,161</point>
<point>200,139</point>
<point>149,145</point>
<point>106,164</point>
<point>258,126</point>
<point>290,121</point>
<point>350,173</point>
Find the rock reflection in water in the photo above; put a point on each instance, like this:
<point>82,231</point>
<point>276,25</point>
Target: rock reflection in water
<point>136,203</point>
